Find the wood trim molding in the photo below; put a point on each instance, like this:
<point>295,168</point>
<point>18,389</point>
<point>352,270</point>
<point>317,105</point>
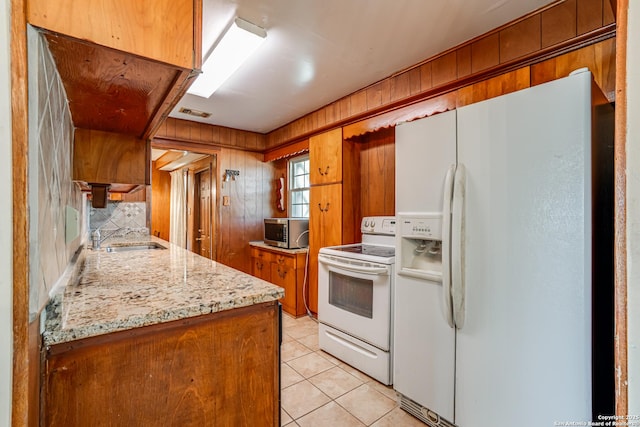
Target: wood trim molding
<point>287,150</point>
<point>170,100</point>
<point>620,230</point>
<point>22,406</point>
<point>166,143</point>
<point>438,104</point>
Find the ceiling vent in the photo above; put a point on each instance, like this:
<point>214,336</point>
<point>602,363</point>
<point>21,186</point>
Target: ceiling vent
<point>195,113</point>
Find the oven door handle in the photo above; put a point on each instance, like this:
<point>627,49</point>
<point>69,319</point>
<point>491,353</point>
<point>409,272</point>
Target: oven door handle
<point>356,268</point>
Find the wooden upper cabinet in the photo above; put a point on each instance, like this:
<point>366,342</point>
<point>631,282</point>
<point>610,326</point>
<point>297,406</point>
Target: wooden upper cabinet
<point>124,64</point>
<point>109,158</point>
<point>325,157</point>
<point>163,30</point>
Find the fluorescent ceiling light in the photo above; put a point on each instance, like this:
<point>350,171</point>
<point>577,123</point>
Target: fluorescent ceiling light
<point>238,43</point>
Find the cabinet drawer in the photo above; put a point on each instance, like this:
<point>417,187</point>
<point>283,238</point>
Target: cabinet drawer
<point>284,260</point>
<point>262,254</point>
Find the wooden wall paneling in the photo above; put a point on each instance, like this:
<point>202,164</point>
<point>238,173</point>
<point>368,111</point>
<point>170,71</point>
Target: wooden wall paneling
<point>509,82</point>
<point>331,113</point>
<point>589,15</point>
<point>237,192</point>
<point>491,88</point>
<point>222,229</point>
<point>426,81</point>
<point>194,134</point>
<point>374,95</point>
<point>599,58</point>
<point>168,129</point>
<point>444,69</point>
<point>559,23</point>
<point>250,201</point>
<point>320,117</point>
<point>183,130</point>
<point>520,39</point>
<point>400,86</point>
<point>389,176</point>
<point>160,203</point>
<point>463,62</point>
<point>415,83</point>
<point>344,105</point>
<point>377,172</point>
<point>485,53</point>
<point>351,189</point>
<point>359,102</point>
<point>191,210</point>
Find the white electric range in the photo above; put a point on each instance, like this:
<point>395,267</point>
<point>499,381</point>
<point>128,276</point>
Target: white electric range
<point>355,290</point>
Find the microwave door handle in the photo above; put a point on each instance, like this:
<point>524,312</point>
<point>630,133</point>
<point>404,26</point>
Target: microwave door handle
<point>356,268</point>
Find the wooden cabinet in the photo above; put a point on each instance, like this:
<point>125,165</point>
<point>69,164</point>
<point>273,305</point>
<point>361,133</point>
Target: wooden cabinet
<point>220,369</point>
<point>162,31</point>
<point>285,269</point>
<point>106,157</point>
<point>334,199</point>
<point>261,263</point>
<point>325,152</point>
<point>124,64</point>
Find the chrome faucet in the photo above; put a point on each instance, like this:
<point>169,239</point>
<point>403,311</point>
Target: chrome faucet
<point>95,239</point>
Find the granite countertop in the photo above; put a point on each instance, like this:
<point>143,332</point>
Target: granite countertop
<point>261,244</point>
<point>115,291</point>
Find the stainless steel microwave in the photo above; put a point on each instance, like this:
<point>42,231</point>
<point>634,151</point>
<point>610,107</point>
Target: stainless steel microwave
<point>286,232</point>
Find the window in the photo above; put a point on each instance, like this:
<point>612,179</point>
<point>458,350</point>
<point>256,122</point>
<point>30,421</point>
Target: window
<point>299,187</point>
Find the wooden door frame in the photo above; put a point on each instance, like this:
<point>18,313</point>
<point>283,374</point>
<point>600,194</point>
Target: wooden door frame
<point>196,183</point>
<point>620,231</point>
<point>210,163</point>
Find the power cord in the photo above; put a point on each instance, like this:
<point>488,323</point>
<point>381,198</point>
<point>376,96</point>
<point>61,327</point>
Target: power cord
<point>304,281</point>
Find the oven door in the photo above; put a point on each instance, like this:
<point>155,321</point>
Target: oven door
<point>355,297</point>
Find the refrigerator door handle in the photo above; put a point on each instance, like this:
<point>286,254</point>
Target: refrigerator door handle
<point>446,246</point>
<point>457,245</point>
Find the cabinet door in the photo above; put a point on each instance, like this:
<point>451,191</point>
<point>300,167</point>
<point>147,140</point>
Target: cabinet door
<point>260,264</point>
<point>325,157</point>
<point>128,26</point>
<point>283,274</point>
<point>325,229</point>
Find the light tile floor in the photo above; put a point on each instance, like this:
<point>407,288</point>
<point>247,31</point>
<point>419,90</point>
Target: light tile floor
<point>320,390</point>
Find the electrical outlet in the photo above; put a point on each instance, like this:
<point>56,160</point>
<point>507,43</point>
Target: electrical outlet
<point>225,201</point>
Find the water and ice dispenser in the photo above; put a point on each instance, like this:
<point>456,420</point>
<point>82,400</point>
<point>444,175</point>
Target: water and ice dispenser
<point>421,245</point>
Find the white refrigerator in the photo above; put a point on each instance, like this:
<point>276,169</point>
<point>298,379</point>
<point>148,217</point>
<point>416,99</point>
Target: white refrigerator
<point>504,241</point>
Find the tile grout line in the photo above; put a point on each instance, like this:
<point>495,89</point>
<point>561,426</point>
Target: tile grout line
<point>336,363</point>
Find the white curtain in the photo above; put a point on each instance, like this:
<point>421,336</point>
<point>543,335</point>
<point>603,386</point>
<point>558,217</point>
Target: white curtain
<point>178,220</point>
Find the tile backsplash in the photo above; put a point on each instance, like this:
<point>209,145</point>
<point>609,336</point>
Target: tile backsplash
<point>50,186</point>
<point>120,219</point>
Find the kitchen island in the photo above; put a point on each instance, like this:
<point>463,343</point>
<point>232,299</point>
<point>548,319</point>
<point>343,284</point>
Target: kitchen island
<point>147,333</point>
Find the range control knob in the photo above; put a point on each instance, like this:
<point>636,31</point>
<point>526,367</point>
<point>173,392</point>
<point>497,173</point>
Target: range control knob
<point>366,223</point>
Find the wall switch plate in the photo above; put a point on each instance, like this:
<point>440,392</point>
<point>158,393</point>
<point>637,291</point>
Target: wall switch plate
<point>225,201</point>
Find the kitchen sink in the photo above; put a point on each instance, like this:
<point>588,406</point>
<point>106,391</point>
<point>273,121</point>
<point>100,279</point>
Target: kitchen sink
<point>134,247</point>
